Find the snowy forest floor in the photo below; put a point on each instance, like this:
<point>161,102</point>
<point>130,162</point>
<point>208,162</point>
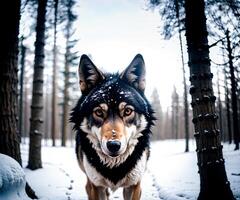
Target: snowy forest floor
<point>171,174</point>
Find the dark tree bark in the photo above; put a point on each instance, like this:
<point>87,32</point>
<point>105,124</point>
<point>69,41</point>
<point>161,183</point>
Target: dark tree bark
<point>54,81</point>
<point>9,138</point>
<point>213,179</point>
<point>36,120</point>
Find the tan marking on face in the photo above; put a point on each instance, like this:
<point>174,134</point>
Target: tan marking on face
<point>113,130</point>
<point>121,106</point>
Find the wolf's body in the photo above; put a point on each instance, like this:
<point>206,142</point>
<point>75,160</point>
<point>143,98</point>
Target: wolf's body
<point>113,120</point>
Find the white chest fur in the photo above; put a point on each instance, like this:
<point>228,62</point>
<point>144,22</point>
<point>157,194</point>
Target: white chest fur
<point>132,178</point>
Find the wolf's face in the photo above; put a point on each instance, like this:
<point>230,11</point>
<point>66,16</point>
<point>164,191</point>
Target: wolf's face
<point>114,128</point>
<point>113,110</point>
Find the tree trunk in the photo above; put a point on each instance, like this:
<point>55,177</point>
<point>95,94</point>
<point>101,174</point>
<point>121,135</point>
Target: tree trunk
<point>46,111</point>
<point>66,99</point>
<point>54,81</point>
<point>36,120</point>
<point>66,73</point>
<point>213,179</point>
<point>9,138</point>
<point>26,112</point>
<point>176,116</point>
<point>23,54</point>
<point>186,114</point>
<point>234,93</point>
<point>220,108</point>
<point>173,121</point>
<point>227,105</point>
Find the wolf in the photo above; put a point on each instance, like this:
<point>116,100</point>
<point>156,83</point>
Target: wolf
<point>113,121</point>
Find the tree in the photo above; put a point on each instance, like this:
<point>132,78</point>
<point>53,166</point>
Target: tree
<point>226,21</point>
<point>54,79</point>
<point>175,113</point>
<point>227,105</point>
<point>185,96</point>
<point>69,59</point>
<point>47,112</point>
<point>9,138</point>
<point>167,124</point>
<point>219,105</point>
<point>36,120</point>
<point>23,55</point>
<point>158,127</point>
<point>236,132</point>
<point>213,179</point>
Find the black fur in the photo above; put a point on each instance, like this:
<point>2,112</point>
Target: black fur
<point>112,90</point>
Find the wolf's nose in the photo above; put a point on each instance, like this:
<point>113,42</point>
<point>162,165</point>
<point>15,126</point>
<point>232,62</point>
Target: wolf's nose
<point>113,146</point>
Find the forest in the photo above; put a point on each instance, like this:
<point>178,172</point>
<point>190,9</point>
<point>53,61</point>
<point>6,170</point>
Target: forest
<point>39,86</point>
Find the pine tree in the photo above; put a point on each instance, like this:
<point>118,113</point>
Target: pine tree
<point>158,127</point>
<point>36,121</point>
<point>70,57</point>
<point>175,113</point>
<point>9,138</point>
<point>213,178</point>
<point>54,78</point>
<point>236,132</point>
<point>23,55</point>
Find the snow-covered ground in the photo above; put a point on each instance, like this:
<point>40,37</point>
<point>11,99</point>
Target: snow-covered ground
<point>171,174</point>
<point>12,179</point>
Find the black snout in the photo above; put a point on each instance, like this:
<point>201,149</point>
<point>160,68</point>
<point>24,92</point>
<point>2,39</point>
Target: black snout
<point>113,146</point>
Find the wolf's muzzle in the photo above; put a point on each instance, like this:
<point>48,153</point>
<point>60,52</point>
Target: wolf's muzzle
<point>113,147</point>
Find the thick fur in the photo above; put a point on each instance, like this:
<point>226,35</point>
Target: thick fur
<point>111,92</point>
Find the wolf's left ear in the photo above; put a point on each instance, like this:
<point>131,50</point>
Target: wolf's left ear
<point>89,74</point>
<point>135,73</point>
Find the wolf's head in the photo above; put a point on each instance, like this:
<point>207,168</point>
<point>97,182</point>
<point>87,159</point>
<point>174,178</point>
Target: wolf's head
<point>113,111</point>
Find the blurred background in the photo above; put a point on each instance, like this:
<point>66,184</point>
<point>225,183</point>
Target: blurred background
<point>112,33</point>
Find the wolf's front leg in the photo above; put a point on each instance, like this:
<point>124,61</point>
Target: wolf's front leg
<point>102,193</point>
<point>96,193</point>
<point>133,192</point>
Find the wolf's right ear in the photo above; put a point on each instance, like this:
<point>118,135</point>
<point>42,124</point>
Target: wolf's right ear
<point>135,73</point>
<point>89,74</point>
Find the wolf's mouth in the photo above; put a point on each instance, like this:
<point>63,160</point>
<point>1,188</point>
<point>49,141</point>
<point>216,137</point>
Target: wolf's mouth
<point>114,155</point>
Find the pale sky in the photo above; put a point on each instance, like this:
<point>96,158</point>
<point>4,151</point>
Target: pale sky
<point>114,31</point>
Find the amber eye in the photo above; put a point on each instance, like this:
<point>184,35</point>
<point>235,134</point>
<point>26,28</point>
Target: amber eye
<point>99,113</point>
<point>127,111</point>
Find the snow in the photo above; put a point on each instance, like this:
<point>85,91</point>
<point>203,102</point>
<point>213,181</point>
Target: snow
<point>12,179</point>
<point>176,172</point>
<point>171,174</point>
